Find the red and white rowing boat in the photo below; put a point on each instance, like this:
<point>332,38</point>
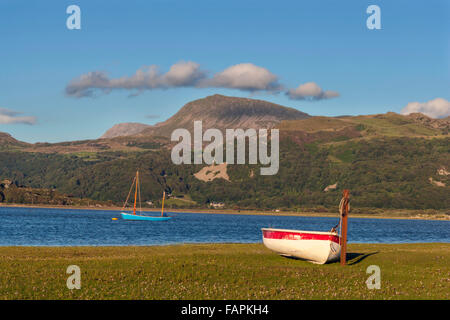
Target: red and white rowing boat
<point>314,246</point>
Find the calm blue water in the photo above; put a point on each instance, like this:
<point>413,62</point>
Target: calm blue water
<point>55,227</point>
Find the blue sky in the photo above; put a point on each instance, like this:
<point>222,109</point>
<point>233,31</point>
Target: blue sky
<point>324,42</point>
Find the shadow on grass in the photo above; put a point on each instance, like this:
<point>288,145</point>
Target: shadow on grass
<point>354,258</point>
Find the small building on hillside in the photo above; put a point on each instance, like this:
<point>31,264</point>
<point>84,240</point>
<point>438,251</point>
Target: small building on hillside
<point>217,205</point>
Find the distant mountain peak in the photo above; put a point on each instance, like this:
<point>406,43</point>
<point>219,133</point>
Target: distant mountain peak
<point>215,111</point>
<point>224,112</point>
<point>125,129</point>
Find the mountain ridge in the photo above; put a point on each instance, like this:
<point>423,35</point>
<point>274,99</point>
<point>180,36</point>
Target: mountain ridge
<point>386,160</point>
<point>222,112</point>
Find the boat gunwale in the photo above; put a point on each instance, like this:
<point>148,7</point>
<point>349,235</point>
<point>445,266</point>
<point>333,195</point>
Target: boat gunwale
<point>301,231</point>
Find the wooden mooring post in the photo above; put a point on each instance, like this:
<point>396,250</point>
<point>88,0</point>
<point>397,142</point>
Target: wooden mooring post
<point>344,218</point>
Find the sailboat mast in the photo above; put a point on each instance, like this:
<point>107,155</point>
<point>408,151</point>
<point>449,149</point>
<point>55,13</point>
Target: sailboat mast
<point>135,192</point>
<point>162,208</point>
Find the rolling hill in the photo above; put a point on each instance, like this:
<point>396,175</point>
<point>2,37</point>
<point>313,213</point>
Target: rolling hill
<point>8,142</point>
<point>216,111</point>
<point>389,124</point>
<point>222,112</point>
<point>386,160</point>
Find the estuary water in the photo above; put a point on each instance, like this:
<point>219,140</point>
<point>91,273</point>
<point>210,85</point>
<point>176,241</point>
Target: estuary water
<point>73,227</point>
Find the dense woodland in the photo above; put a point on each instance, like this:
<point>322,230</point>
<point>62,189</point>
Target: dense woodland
<point>385,172</point>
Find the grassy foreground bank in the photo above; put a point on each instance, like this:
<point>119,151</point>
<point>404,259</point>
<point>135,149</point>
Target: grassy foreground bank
<point>222,271</point>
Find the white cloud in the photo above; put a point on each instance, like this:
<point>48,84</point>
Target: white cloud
<point>9,117</point>
<point>436,108</point>
<point>245,76</point>
<point>181,74</point>
<point>310,91</point>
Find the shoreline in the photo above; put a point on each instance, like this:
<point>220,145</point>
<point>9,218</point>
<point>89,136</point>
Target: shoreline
<point>199,244</point>
<point>409,215</point>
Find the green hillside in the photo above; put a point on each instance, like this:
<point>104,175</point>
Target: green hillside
<point>390,124</point>
<point>387,160</point>
<point>386,172</point>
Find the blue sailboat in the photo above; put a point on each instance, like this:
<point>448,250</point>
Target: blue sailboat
<point>140,216</point>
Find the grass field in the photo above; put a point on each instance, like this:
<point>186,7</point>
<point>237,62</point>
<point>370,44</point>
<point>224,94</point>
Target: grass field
<point>222,271</point>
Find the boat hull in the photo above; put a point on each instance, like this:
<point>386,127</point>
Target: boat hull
<point>128,216</point>
<point>313,246</point>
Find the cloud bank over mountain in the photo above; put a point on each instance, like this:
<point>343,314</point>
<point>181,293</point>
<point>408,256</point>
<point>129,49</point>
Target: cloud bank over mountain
<point>243,76</point>
<point>181,74</point>
<point>311,91</point>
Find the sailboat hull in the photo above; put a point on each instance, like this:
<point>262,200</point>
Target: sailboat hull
<point>128,216</point>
